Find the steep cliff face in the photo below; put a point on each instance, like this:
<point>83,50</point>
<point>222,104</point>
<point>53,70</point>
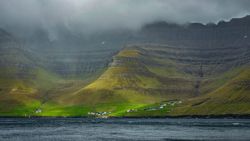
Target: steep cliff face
<point>88,55</point>
<point>76,56</point>
<point>73,55</point>
<point>196,34</point>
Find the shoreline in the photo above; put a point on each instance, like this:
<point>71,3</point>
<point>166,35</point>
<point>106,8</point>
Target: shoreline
<point>228,116</point>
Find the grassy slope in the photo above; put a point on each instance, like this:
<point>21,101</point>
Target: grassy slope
<point>231,98</point>
<point>133,83</point>
<point>138,79</point>
<point>20,96</point>
<point>42,90</point>
<point>26,87</point>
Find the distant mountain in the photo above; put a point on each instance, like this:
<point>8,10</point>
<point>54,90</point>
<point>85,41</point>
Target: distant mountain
<point>197,34</point>
<point>161,69</point>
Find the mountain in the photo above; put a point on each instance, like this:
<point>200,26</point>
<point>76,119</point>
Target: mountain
<point>141,78</point>
<point>162,69</point>
<point>23,81</point>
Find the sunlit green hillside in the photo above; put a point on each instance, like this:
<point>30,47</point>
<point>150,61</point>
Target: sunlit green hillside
<point>141,80</point>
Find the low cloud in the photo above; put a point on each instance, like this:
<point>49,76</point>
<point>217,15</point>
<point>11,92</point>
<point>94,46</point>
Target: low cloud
<point>95,15</point>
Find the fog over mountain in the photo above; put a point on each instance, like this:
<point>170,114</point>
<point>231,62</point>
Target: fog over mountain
<point>95,15</point>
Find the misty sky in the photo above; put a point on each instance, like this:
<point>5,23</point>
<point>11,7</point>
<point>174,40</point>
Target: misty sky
<point>108,14</point>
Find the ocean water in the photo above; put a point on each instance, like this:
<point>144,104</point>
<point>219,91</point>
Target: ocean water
<point>83,129</point>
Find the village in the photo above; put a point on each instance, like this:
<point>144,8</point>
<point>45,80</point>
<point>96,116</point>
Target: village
<point>161,106</point>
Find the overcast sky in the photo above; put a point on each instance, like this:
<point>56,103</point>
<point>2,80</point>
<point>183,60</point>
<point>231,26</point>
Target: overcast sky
<point>109,14</point>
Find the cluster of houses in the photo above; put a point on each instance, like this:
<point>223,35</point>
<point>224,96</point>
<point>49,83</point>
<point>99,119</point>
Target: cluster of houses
<point>99,114</point>
<point>173,103</point>
<point>38,111</point>
<point>131,110</point>
<point>161,106</point>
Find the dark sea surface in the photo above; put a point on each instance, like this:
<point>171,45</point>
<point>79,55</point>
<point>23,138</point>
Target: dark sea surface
<point>82,129</point>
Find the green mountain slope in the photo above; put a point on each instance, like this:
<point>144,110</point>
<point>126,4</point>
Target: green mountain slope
<point>25,85</point>
<point>134,79</point>
<point>188,77</point>
<point>22,82</point>
<point>231,98</point>
<point>144,80</point>
<point>194,69</point>
<point>141,80</point>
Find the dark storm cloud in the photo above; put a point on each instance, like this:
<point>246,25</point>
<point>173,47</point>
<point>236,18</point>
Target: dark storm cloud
<point>90,15</point>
